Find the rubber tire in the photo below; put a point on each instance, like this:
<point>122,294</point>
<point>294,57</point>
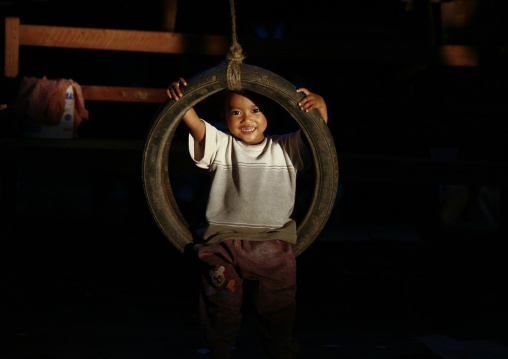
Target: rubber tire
<point>155,157</point>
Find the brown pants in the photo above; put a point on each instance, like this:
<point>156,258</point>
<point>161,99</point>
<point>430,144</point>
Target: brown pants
<point>268,270</point>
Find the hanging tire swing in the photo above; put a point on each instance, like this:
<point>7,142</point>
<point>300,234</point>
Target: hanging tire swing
<point>157,186</point>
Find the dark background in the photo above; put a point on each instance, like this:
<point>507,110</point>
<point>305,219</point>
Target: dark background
<point>87,273</point>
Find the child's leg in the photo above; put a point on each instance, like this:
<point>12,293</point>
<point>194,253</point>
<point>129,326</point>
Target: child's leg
<point>272,266</point>
<point>220,298</point>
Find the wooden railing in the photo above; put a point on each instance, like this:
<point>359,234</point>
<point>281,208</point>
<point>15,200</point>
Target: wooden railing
<point>17,35</point>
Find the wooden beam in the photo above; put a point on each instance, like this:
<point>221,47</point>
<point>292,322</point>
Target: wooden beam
<point>456,55</point>
<point>11,46</point>
<point>123,40</point>
<point>124,94</point>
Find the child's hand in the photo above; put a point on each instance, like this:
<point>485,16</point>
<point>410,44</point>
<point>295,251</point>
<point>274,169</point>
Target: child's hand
<point>313,101</point>
<point>174,91</point>
<point>191,118</point>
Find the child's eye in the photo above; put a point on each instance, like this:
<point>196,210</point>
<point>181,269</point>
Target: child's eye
<point>236,112</point>
<point>256,110</point>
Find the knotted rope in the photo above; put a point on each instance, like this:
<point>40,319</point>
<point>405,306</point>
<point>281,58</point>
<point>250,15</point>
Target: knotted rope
<point>235,57</point>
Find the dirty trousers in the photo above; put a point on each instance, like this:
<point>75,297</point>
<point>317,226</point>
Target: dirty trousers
<point>266,272</point>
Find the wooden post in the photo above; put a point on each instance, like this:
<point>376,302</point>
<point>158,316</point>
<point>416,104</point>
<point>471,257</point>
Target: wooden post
<point>169,8</point>
<point>11,47</point>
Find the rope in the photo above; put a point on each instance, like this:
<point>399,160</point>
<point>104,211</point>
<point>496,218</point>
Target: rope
<point>235,57</point>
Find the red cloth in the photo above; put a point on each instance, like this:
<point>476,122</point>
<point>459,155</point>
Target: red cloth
<point>43,100</point>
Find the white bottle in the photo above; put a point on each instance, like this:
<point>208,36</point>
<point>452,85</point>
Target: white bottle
<point>66,127</point>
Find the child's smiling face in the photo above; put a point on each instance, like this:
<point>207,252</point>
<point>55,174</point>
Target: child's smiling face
<point>245,119</point>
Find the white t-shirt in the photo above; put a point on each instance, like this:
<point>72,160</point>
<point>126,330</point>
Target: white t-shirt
<point>253,186</point>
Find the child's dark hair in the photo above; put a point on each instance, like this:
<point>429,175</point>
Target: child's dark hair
<point>266,105</point>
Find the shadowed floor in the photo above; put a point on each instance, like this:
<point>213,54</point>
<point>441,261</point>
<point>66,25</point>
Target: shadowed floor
<point>105,290</point>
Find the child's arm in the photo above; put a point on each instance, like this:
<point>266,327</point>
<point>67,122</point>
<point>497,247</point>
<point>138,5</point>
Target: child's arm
<point>313,101</point>
<point>191,118</point>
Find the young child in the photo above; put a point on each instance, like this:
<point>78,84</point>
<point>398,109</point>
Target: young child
<point>246,248</point>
